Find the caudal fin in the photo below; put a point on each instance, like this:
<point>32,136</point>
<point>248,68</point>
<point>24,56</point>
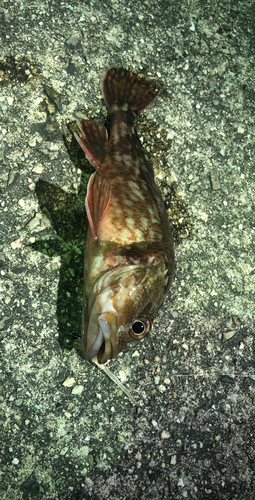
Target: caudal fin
<point>126,90</point>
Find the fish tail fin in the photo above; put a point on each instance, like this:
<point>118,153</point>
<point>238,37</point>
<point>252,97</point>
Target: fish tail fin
<point>126,90</point>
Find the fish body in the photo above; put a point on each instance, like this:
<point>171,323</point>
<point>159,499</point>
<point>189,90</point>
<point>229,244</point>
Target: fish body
<point>129,254</point>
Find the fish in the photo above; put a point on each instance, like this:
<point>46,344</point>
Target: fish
<point>129,253</point>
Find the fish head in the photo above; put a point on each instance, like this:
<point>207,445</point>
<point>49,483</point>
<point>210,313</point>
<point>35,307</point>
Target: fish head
<point>121,309</point>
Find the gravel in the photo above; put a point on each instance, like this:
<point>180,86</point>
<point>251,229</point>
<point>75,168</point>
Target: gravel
<point>66,430</point>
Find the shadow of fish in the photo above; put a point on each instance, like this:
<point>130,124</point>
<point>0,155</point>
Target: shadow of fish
<point>129,255</point>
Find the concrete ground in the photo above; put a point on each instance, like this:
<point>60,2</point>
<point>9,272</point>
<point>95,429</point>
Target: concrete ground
<point>66,430</point>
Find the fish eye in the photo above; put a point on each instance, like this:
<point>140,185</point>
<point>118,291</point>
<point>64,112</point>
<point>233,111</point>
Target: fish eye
<point>140,327</point>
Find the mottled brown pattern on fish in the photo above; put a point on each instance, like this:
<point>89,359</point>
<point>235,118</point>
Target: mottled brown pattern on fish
<point>126,156</point>
<point>129,256</point>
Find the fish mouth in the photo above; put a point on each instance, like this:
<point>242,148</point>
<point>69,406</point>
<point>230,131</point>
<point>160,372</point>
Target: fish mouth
<point>101,342</point>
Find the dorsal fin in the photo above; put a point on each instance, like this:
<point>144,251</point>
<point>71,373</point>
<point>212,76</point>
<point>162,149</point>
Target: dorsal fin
<point>97,200</point>
<point>94,142</point>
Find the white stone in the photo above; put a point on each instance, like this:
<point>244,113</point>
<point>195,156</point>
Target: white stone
<point>77,389</point>
<point>165,435</point>
<point>69,382</point>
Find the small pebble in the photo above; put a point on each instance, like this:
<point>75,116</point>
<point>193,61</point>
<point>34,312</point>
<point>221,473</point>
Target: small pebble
<point>69,382</point>
<point>73,41</point>
<point>229,335</point>
<point>33,223</point>
<point>240,130</point>
<point>70,407</point>
<point>32,142</point>
<point>135,354</point>
<point>77,389</point>
<point>165,435</point>
<point>185,346</point>
<point>204,216</point>
<point>64,450</point>
<point>16,244</point>
<point>38,169</point>
<point>161,388</point>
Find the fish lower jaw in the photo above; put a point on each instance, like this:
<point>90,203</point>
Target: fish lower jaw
<point>104,352</point>
<point>101,346</point>
<point>93,349</point>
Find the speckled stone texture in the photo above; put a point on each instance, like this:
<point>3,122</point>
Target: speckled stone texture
<point>66,430</point>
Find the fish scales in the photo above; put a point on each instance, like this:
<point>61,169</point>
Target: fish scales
<point>129,255</point>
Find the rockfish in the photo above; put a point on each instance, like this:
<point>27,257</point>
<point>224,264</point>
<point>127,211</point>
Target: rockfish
<point>129,255</point>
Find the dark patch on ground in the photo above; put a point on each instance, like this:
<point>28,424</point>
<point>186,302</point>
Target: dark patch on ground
<point>66,213</point>
<point>17,69</point>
